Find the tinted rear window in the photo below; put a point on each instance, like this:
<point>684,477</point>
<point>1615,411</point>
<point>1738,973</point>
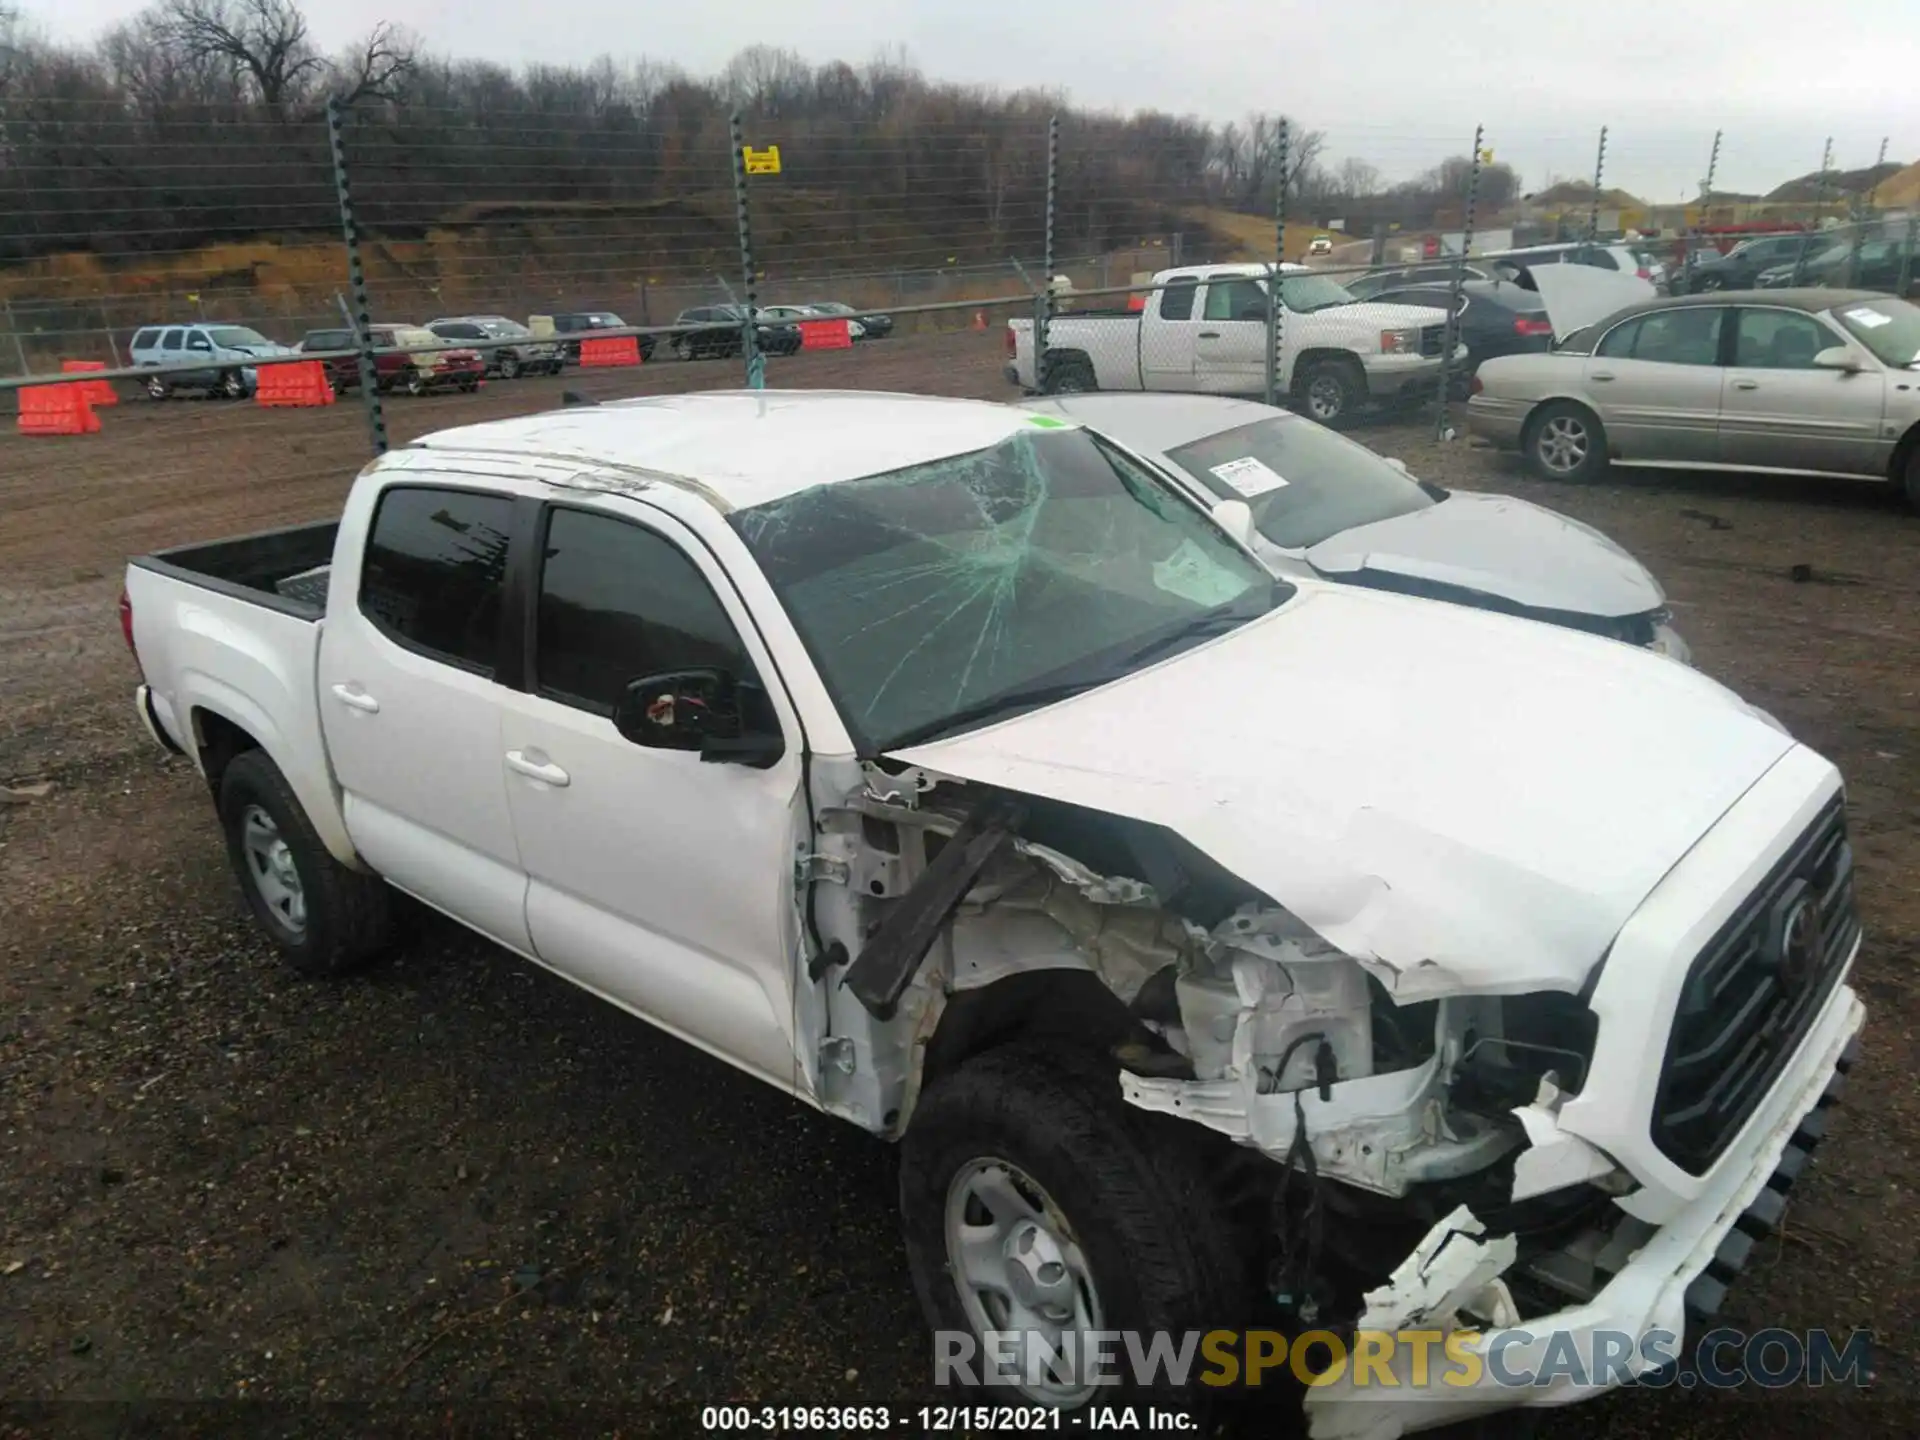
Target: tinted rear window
<point>434,566</point>
<point>145,339</point>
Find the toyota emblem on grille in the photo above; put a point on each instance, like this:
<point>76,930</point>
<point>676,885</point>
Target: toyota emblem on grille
<point>1799,953</point>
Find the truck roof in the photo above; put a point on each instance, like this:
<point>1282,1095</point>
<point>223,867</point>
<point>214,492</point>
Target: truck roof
<point>747,447</point>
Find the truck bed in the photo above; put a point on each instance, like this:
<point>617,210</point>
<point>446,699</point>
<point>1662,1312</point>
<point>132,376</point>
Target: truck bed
<point>285,570</point>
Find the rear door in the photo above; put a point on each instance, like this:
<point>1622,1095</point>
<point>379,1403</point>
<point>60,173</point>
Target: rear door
<point>410,700</point>
<point>1230,353</point>
<point>1168,332</point>
<point>1781,412</point>
<point>1655,381</point>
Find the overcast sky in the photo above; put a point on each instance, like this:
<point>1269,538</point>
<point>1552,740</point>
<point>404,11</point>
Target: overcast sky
<point>1398,82</point>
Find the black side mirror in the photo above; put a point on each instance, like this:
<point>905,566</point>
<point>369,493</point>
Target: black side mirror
<point>709,711</point>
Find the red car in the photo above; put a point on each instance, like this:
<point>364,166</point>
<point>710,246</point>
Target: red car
<point>429,364</point>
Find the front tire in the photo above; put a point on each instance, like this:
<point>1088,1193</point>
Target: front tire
<point>1910,480</point>
<point>509,365</point>
<point>1565,442</point>
<point>325,919</point>
<point>157,389</point>
<point>416,383</point>
<point>1032,1200</point>
<point>683,349</point>
<point>233,385</point>
<point>1330,390</point>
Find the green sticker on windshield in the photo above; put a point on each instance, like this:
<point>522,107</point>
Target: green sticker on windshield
<point>1048,422</point>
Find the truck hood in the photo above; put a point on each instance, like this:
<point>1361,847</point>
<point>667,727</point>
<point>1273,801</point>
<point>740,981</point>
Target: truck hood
<point>1462,801</point>
<point>1370,317</point>
<point>1493,545</point>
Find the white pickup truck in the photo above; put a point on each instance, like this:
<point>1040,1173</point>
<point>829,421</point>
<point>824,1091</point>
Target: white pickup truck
<point>948,768</point>
<point>1204,328</point>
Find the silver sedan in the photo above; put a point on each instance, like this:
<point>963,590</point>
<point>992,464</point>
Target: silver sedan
<point>1319,505</point>
<point>1822,382</point>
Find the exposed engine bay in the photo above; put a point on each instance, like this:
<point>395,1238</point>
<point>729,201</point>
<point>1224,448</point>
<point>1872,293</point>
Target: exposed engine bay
<point>1220,1007</point>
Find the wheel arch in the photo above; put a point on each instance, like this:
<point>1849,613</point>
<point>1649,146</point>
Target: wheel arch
<point>225,725</point>
<point>1898,466</point>
<point>1321,354</point>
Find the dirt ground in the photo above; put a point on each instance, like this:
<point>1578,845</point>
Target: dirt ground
<point>473,1198</point>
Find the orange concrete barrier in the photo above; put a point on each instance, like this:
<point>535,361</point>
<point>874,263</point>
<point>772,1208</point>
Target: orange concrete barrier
<point>57,410</point>
<point>610,350</point>
<point>294,382</point>
<point>99,392</point>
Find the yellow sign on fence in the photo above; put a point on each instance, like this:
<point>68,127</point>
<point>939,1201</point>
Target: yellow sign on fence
<point>761,162</point>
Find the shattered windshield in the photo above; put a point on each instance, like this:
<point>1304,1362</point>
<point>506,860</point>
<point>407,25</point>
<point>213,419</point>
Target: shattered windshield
<point>1305,294</point>
<point>1303,482</point>
<point>961,590</point>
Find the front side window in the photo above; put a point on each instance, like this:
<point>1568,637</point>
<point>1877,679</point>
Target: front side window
<point>435,563</point>
<point>1778,340</point>
<point>618,602</point>
<point>945,594</point>
<point>238,337</point>
<point>1235,300</point>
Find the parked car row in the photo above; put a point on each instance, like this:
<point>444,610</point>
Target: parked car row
<point>414,360</point>
<point>709,332</point>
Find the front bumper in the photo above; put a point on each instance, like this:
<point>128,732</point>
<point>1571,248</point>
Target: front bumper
<point>1667,642</point>
<point>1395,374</point>
<point>1668,1280</point>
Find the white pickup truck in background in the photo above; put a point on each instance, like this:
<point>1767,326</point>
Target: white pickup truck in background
<point>1204,329</point>
<point>948,768</point>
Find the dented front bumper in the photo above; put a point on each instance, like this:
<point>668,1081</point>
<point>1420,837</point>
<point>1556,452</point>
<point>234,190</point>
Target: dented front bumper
<point>1667,1279</point>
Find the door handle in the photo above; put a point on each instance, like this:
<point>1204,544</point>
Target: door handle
<point>1601,375</point>
<point>1746,384</point>
<point>544,771</point>
<point>1209,335</point>
<point>356,698</point>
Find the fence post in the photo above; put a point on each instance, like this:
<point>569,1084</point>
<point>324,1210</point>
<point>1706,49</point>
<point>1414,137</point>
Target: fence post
<point>1599,169</point>
<point>356,279</point>
<point>1691,252</point>
<point>1450,336</point>
<point>1043,311</point>
<point>756,363</point>
<point>1276,305</point>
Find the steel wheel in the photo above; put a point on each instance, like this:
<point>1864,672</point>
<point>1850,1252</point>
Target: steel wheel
<point>416,383</point>
<point>233,385</point>
<point>1018,1266</point>
<point>157,388</point>
<point>271,868</point>
<point>1563,445</point>
<point>683,349</point>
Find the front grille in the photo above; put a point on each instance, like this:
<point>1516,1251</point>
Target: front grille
<point>1433,339</point>
<point>1753,992</point>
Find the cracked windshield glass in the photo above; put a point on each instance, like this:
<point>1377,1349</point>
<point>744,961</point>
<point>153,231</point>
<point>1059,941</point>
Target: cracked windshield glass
<point>955,592</point>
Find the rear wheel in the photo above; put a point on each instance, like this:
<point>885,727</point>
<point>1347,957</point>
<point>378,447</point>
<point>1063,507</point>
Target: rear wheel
<point>1564,441</point>
<point>509,365</point>
<point>157,389</point>
<point>683,349</point>
<point>324,918</point>
<point>1070,375</point>
<point>416,383</point>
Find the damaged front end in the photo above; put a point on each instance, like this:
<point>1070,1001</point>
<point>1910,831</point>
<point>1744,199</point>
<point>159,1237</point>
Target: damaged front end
<point>1422,1135</point>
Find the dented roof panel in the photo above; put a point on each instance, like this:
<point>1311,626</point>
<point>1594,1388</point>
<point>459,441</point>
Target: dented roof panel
<point>1462,800</point>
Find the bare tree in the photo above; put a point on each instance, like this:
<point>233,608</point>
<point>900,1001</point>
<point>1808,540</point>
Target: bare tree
<point>263,41</point>
<point>1357,179</point>
<point>378,68</point>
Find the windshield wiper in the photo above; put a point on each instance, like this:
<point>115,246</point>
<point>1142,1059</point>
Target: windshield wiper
<point>996,706</point>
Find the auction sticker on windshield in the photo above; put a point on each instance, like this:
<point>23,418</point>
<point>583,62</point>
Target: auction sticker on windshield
<point>1250,476</point>
<point>1872,319</point>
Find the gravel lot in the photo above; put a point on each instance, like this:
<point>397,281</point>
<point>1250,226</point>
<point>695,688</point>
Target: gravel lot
<point>461,1191</point>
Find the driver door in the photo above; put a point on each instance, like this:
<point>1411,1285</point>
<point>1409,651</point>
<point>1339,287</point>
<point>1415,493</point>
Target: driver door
<point>1230,354</point>
<point>658,879</point>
